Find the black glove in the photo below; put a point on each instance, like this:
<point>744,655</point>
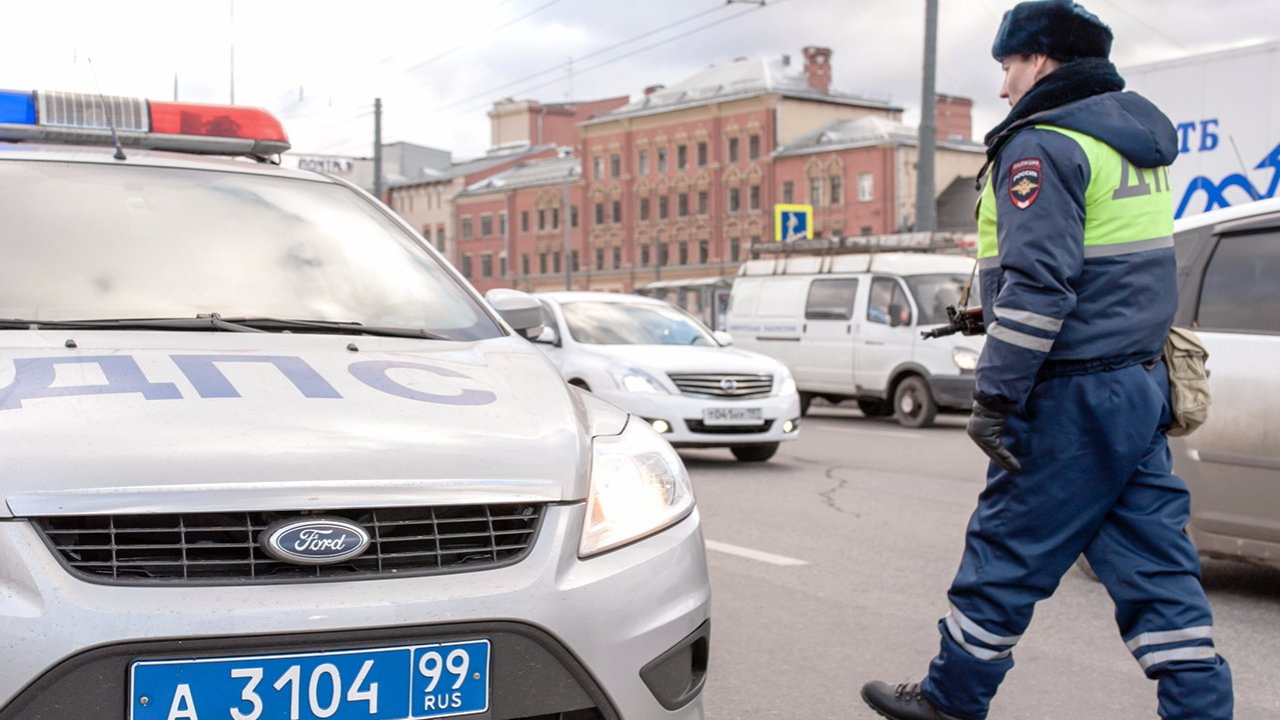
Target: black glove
<point>985,427</point>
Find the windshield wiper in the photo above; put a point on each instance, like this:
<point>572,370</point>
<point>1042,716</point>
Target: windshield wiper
<point>216,322</point>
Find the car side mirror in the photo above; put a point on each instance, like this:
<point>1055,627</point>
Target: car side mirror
<point>723,337</point>
<point>548,336</point>
<point>519,309</point>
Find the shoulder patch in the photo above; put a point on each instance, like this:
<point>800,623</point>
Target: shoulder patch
<point>1024,182</point>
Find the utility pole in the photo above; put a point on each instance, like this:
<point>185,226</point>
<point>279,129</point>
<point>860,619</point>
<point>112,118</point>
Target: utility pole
<point>377,148</point>
<point>232,20</point>
<point>564,223</point>
<point>926,203</point>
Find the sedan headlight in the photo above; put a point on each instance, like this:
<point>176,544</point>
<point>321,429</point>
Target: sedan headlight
<point>638,487</point>
<point>637,381</point>
<point>786,383</point>
<point>964,359</point>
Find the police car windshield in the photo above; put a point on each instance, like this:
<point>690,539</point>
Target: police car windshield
<point>85,241</point>
<point>615,323</point>
<point>933,293</point>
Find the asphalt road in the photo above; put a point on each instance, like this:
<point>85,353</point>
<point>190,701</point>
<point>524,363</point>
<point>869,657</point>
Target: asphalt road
<point>829,567</point>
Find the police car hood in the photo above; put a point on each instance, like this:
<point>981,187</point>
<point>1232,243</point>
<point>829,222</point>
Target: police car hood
<point>682,358</point>
<point>1126,121</point>
<point>161,422</point>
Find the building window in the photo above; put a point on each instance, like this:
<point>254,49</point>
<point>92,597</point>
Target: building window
<point>615,166</point>
<point>524,264</point>
<point>755,240</point>
<point>542,263</point>
<point>866,187</point>
<point>682,204</point>
<point>837,190</point>
<point>486,225</point>
<point>788,192</point>
<point>502,265</point>
<point>703,199</point>
<point>440,236</point>
<point>617,211</point>
<point>573,216</point>
<point>815,192</point>
<point>753,147</point>
<point>542,220</point>
<point>644,209</point>
<point>684,253</point>
<point>555,218</point>
<point>704,252</point>
<point>599,168</point>
<point>754,194</point>
<point>466,265</point>
<point>466,228</point>
<point>702,154</point>
<point>486,265</point>
<point>644,256</point>
<point>599,213</point>
<point>599,258</point>
<point>735,199</point>
<point>555,261</point>
<point>663,254</point>
<point>735,249</point>
<point>524,221</point>
<point>573,261</point>
<point>682,157</point>
<point>643,162</point>
<point>502,223</point>
<point>662,207</point>
<point>662,160</point>
<point>733,150</point>
<point>617,258</point>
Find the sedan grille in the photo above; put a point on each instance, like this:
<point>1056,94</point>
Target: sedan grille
<point>223,548</point>
<point>723,386</point>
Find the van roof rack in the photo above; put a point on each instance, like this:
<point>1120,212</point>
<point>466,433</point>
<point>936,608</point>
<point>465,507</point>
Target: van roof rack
<point>927,242</point>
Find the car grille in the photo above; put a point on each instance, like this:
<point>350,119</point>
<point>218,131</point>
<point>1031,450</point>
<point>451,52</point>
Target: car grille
<point>723,386</point>
<point>222,548</point>
<point>698,426</point>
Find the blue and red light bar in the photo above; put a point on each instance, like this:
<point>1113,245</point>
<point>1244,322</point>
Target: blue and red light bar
<point>86,119</point>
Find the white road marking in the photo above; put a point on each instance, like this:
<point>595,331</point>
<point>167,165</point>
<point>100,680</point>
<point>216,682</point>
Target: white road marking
<point>757,555</point>
<point>858,430</point>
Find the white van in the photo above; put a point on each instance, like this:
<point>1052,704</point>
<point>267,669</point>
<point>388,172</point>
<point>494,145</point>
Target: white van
<point>849,327</point>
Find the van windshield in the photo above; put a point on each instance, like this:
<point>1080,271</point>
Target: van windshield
<point>86,241</point>
<point>933,293</point>
<point>616,323</point>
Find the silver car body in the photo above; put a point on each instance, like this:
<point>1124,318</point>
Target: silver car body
<point>394,438</point>
<point>1229,272</point>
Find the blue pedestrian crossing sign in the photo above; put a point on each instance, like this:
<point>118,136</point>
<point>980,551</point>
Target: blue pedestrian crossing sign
<point>792,222</point>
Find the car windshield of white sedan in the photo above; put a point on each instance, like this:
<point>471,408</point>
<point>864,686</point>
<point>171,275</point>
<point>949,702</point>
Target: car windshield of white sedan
<point>616,323</point>
<point>90,241</point>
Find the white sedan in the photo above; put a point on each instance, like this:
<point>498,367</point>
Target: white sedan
<point>659,363</point>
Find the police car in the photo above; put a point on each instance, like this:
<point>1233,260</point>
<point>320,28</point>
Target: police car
<point>267,456</point>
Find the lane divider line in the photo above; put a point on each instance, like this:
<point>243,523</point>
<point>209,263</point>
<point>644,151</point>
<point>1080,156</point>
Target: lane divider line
<point>757,555</point>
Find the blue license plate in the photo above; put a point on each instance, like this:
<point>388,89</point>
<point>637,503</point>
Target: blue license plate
<point>413,682</point>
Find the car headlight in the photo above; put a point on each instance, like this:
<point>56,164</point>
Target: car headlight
<point>637,381</point>
<point>638,487</point>
<point>964,359</point>
<point>787,383</point>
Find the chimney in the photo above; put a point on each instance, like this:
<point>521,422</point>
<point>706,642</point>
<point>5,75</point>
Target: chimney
<point>653,89</point>
<point>953,117</point>
<point>817,67</point>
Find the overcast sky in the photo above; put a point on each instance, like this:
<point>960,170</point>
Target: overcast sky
<point>439,64</point>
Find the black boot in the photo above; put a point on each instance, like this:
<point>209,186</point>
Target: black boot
<point>901,702</point>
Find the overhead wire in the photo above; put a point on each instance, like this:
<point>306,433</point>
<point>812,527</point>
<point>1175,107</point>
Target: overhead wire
<point>509,23</point>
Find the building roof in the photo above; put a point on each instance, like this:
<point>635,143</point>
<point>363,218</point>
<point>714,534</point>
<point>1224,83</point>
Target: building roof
<point>742,78</point>
<point>535,173</point>
<point>867,131</point>
<point>462,169</point>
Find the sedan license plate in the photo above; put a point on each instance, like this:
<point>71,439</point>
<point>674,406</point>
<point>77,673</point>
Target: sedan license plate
<point>413,682</point>
<point>732,416</point>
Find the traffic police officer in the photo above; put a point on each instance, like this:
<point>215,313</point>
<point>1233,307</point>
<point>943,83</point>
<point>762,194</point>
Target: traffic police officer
<point>1078,290</point>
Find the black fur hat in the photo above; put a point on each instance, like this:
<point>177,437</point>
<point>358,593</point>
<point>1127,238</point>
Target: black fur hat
<point>1061,29</point>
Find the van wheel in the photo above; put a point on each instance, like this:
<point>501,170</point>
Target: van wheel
<point>875,408</point>
<point>754,453</point>
<point>805,399</point>
<point>913,404</point>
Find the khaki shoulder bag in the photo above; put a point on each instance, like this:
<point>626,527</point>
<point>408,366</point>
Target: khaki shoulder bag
<point>1185,357</point>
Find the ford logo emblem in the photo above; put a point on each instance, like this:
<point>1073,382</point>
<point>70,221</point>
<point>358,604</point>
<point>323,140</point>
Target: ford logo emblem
<point>314,541</point>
